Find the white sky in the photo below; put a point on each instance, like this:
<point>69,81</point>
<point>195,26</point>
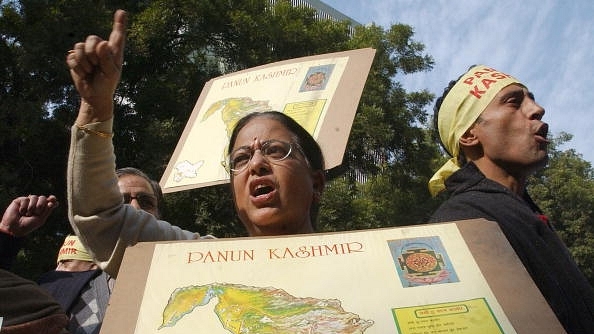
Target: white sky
<point>547,44</point>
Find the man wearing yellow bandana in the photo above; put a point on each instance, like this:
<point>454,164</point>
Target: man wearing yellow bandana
<point>73,256</point>
<point>492,127</point>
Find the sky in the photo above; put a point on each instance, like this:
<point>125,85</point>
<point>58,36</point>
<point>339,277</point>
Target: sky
<point>546,44</point>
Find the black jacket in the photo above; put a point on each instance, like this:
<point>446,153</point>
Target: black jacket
<point>9,248</point>
<point>536,243</point>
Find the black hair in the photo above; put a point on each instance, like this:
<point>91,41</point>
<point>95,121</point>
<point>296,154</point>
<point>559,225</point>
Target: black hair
<point>310,147</point>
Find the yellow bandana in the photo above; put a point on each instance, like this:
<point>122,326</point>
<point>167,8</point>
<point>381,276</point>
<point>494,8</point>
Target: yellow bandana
<point>460,109</point>
<point>72,249</point>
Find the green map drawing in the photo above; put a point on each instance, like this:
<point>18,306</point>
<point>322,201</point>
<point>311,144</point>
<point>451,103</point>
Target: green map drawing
<point>234,108</point>
<point>231,110</point>
<point>263,310</point>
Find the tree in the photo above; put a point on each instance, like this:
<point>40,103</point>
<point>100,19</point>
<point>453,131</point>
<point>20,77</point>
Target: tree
<point>33,130</point>
<point>390,155</point>
<point>565,192</point>
<point>185,46</point>
<point>172,50</point>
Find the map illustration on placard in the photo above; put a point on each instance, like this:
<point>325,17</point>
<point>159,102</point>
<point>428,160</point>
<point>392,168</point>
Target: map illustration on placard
<point>233,108</point>
<point>249,309</point>
<point>323,283</point>
<point>320,92</point>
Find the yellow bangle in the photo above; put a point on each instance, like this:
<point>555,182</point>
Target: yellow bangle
<point>94,132</point>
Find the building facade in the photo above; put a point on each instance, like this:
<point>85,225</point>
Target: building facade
<point>324,12</point>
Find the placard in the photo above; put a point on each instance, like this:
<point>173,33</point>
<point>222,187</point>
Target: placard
<point>460,277</point>
<point>320,92</point>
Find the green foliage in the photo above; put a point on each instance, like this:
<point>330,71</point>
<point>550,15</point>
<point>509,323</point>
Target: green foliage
<point>389,155</point>
<point>173,49</point>
<point>565,191</point>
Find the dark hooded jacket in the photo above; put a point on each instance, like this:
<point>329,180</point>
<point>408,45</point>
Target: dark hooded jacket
<point>533,238</point>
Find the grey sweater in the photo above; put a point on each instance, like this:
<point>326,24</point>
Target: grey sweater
<point>96,211</point>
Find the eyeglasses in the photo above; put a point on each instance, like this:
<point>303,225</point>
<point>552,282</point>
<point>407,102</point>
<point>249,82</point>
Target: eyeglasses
<point>145,201</point>
<point>272,150</point>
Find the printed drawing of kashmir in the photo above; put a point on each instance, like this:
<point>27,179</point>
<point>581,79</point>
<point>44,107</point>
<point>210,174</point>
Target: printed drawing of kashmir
<point>231,110</point>
<point>263,310</point>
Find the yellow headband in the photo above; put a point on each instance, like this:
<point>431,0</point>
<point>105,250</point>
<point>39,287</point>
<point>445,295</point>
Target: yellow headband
<point>460,108</point>
<point>72,249</point>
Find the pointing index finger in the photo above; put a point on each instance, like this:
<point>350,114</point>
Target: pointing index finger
<point>117,38</point>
